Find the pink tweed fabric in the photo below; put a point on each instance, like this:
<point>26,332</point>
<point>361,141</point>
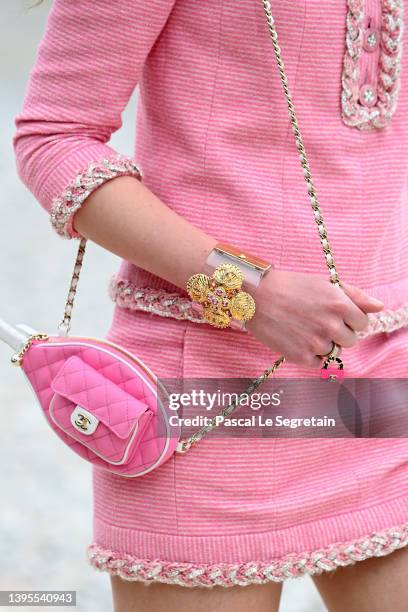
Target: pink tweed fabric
<point>213,140</point>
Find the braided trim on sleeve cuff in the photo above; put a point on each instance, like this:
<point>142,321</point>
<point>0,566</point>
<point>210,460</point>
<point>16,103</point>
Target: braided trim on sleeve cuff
<point>82,185</point>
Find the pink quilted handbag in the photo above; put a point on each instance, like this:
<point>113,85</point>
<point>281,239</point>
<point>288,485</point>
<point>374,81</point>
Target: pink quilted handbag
<point>99,398</point>
<point>102,402</point>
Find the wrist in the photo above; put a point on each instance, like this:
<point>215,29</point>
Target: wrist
<point>188,265</point>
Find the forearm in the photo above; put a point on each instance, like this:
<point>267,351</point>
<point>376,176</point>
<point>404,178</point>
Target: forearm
<point>127,218</point>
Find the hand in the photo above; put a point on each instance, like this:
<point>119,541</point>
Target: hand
<point>299,315</point>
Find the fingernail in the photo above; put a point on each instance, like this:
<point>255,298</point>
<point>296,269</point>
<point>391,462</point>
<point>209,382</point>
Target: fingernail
<point>374,302</point>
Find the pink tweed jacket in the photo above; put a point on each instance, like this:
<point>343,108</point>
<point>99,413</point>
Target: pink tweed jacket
<point>214,142</point>
<point>213,135</point>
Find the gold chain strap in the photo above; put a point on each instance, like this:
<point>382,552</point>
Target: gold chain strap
<point>184,445</point>
<point>17,358</point>
<point>300,146</point>
<point>65,324</point>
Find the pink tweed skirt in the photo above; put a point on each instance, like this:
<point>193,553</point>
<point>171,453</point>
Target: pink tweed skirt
<point>239,511</point>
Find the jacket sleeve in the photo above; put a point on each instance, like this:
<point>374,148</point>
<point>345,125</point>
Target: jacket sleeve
<point>88,63</point>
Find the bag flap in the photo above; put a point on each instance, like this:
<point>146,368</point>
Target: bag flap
<point>86,387</point>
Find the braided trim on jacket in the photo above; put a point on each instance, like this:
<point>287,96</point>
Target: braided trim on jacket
<point>128,567</point>
<point>174,305</point>
<point>82,185</point>
<point>354,113</point>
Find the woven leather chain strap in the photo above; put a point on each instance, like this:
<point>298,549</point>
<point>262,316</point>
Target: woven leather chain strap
<point>334,278</point>
<point>65,324</point>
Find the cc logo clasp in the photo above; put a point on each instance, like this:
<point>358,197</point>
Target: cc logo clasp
<point>82,421</point>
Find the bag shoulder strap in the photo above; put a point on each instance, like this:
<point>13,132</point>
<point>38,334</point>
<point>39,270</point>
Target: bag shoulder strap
<point>334,278</point>
<point>65,324</point>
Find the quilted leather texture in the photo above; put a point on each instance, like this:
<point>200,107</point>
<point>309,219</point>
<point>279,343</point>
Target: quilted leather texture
<point>126,384</point>
<point>122,417</point>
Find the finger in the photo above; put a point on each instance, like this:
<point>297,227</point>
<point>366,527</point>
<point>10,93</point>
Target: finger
<point>357,321</point>
<point>361,299</point>
<point>305,360</point>
<point>345,337</point>
<point>316,362</point>
<point>324,348</point>
<point>353,315</point>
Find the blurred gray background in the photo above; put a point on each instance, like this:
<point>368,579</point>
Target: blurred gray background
<point>46,509</point>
